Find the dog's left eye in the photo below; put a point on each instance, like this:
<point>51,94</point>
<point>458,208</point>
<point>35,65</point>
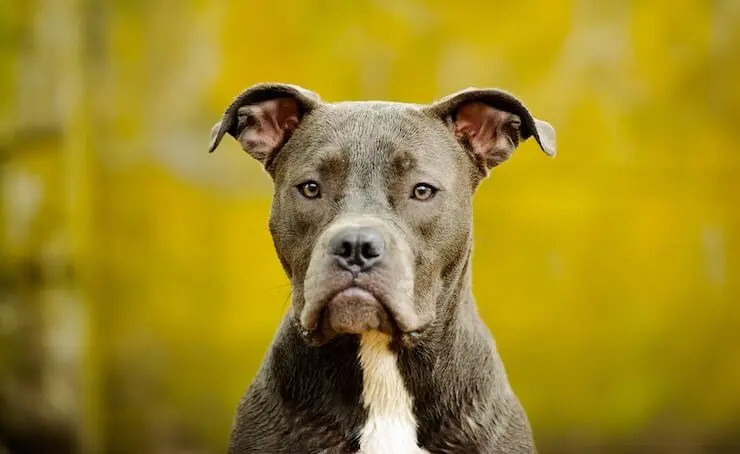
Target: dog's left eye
<point>423,191</point>
<point>309,190</point>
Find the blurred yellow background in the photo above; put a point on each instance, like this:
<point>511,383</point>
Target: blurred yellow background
<point>139,290</point>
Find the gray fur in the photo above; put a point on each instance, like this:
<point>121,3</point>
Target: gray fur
<point>367,157</point>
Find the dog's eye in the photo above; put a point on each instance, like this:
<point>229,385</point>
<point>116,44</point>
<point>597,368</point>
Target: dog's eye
<point>309,190</point>
<point>423,191</point>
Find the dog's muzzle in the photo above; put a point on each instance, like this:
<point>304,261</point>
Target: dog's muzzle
<point>360,279</point>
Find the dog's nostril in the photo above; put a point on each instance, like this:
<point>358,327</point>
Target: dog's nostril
<point>344,246</point>
<point>371,245</point>
<point>344,250</point>
<point>371,248</point>
<point>368,251</point>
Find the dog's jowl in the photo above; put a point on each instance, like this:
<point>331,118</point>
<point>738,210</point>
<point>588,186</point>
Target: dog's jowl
<point>382,350</point>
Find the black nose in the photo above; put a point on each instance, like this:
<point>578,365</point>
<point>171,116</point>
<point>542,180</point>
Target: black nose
<point>357,248</point>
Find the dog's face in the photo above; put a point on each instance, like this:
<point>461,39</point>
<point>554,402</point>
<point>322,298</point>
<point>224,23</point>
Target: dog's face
<point>371,215</point>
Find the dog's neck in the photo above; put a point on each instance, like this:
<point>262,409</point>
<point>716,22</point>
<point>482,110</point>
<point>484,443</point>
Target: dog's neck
<point>390,412</point>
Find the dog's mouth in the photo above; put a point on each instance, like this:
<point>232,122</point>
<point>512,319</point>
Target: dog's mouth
<point>350,310</point>
<point>355,310</point>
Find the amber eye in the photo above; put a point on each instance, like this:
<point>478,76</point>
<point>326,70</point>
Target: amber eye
<point>309,190</point>
<point>423,191</point>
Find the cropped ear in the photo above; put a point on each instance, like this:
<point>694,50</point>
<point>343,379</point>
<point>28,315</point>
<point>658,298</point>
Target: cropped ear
<point>489,123</point>
<point>263,117</point>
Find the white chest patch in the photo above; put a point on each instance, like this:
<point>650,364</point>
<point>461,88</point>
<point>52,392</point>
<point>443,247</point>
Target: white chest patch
<point>390,426</point>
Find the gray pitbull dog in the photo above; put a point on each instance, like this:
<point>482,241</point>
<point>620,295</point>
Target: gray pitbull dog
<point>383,350</point>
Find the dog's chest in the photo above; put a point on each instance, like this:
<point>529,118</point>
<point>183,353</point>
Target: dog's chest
<point>391,426</point>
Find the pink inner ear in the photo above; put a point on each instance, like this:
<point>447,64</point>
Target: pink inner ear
<point>482,125</point>
<point>273,120</point>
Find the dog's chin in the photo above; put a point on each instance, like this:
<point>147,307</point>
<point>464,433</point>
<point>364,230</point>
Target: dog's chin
<point>355,311</point>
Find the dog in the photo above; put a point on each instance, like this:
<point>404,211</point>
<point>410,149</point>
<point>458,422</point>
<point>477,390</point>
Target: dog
<point>382,350</point>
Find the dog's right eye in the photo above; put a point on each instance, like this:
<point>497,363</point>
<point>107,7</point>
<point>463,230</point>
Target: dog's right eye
<point>309,190</point>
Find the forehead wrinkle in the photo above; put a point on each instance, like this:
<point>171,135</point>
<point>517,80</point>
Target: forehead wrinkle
<point>368,153</point>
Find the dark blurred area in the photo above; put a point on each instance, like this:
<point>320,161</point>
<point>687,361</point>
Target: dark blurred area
<point>139,289</point>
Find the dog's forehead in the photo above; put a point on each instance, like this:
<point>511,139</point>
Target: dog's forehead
<point>359,106</point>
<point>368,117</point>
<point>375,131</point>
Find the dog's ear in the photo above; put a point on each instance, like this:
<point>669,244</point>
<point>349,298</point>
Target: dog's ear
<point>263,117</point>
<point>489,123</point>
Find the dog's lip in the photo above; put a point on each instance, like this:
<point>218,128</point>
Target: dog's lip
<point>354,290</point>
<point>312,321</point>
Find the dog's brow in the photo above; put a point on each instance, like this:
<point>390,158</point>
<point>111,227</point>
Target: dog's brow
<point>403,161</point>
<point>330,161</point>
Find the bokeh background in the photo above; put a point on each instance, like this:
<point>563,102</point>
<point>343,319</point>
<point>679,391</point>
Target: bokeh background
<point>138,286</point>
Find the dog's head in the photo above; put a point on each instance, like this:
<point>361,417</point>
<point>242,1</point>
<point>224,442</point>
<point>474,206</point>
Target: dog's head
<point>371,215</point>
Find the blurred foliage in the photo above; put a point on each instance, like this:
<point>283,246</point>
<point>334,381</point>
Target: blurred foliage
<point>139,272</point>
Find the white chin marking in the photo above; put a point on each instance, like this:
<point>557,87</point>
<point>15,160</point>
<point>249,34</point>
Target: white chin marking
<point>390,427</point>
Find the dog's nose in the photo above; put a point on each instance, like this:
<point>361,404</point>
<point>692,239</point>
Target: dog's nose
<point>357,248</point>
